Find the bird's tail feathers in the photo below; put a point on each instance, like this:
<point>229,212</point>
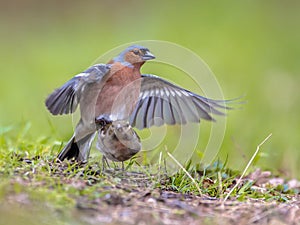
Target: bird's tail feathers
<point>77,149</point>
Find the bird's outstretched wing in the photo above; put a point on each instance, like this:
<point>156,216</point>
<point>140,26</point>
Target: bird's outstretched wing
<point>65,99</point>
<point>161,102</point>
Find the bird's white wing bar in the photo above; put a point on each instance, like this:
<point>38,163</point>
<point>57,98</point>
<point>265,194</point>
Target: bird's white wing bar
<point>65,99</point>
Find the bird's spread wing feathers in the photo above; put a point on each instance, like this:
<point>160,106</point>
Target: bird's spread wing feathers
<point>65,99</point>
<point>161,102</point>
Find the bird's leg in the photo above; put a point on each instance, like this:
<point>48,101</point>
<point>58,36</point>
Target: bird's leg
<point>104,163</point>
<point>123,166</point>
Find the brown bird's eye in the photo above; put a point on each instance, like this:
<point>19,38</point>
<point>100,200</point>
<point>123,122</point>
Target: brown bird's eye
<point>136,51</point>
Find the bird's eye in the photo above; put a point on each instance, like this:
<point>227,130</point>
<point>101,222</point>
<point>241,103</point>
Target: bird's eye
<point>136,51</point>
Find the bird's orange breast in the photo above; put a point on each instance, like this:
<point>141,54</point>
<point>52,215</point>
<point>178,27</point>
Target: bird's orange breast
<point>120,91</point>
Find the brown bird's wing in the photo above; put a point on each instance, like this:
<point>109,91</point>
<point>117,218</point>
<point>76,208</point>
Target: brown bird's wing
<point>65,99</point>
<point>161,102</point>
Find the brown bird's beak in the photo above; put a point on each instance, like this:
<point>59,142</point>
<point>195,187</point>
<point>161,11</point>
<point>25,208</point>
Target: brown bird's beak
<point>148,56</point>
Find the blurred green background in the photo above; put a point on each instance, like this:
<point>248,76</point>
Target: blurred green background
<point>251,46</point>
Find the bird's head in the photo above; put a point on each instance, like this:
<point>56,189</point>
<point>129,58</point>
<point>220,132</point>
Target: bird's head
<point>134,54</point>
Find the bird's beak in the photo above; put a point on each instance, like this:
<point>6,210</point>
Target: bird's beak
<point>148,55</point>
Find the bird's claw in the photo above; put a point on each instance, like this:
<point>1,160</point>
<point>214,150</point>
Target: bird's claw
<point>102,121</point>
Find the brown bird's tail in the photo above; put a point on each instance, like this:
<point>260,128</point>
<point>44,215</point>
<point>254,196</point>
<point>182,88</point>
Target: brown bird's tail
<point>77,149</point>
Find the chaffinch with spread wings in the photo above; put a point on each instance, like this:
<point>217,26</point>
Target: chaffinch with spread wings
<point>117,91</point>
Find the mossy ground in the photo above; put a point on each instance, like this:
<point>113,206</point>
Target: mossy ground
<point>35,187</point>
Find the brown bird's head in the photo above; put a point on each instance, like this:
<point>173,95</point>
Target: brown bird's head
<point>134,54</point>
